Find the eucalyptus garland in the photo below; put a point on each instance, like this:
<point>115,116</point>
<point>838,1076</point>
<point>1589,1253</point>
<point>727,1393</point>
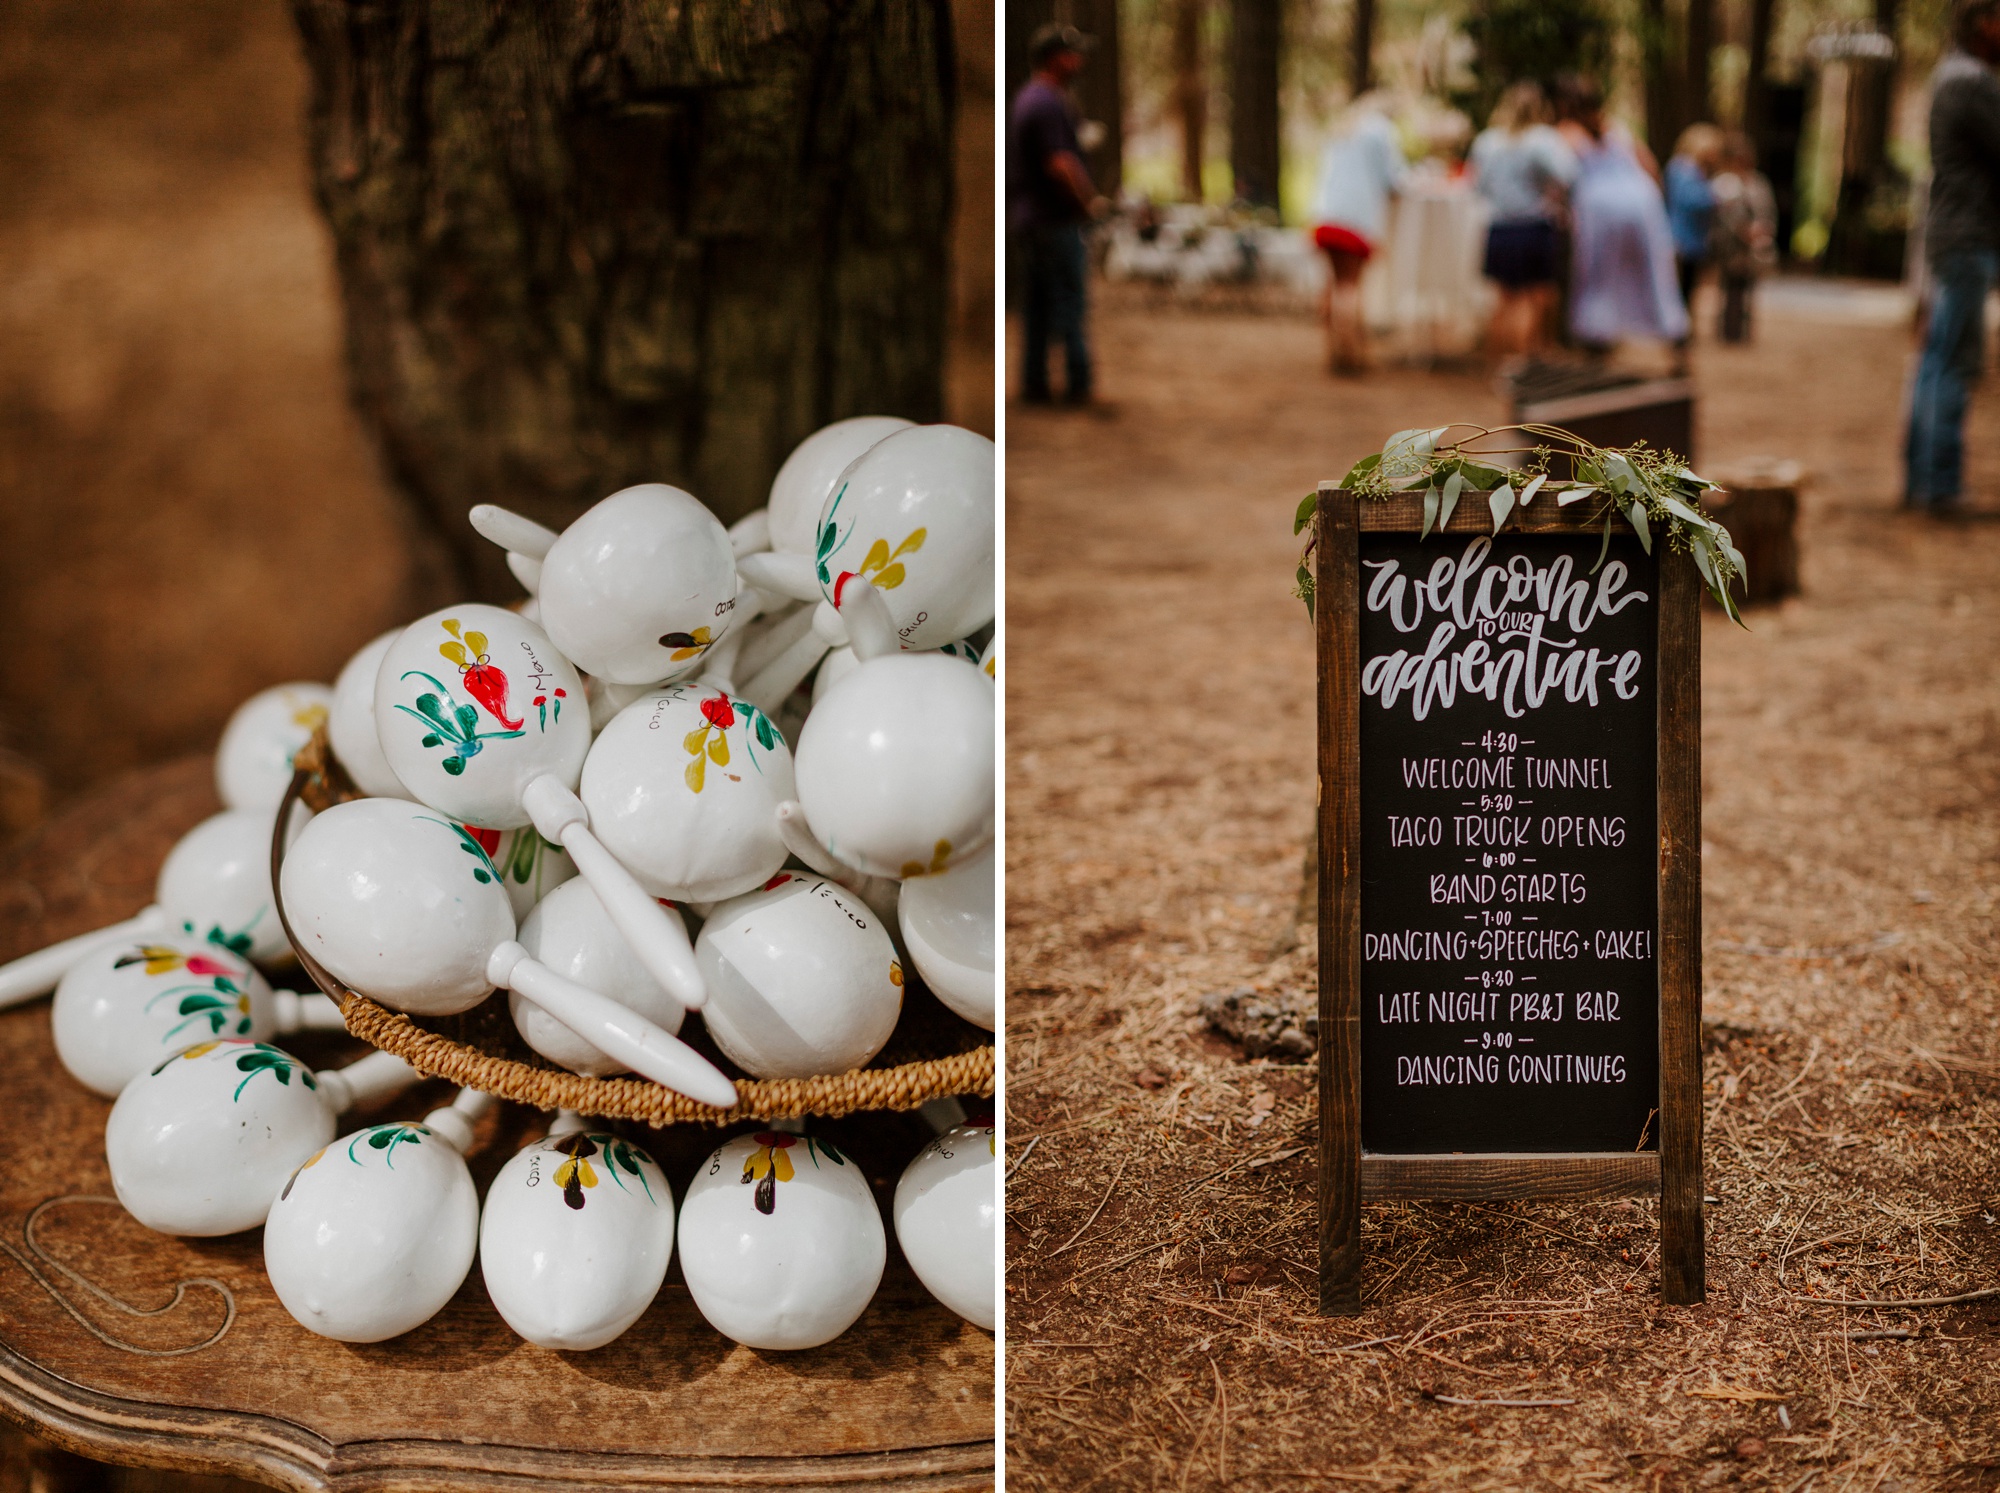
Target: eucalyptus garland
<point>1653,491</point>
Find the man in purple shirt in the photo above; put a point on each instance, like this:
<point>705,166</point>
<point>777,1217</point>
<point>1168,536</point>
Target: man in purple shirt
<point>1049,198</point>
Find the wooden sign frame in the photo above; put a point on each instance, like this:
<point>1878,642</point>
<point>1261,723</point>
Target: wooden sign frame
<point>1347,1176</point>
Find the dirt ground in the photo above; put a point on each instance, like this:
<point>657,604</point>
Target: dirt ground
<point>1161,1330</point>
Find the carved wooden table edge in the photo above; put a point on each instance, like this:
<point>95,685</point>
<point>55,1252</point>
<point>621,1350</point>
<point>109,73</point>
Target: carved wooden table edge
<point>278,1452</point>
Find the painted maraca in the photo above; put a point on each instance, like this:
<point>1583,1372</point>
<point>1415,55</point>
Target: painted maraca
<point>682,787</point>
<point>215,884</point>
<point>370,1236</point>
<point>569,932</point>
<point>780,1240</point>
<point>802,978</point>
<point>124,1008</point>
<point>638,588</point>
<point>895,765</point>
<point>406,908</point>
<point>253,762</point>
<point>202,1143</point>
<point>350,722</point>
<point>947,923</point>
<point>799,493</point>
<point>575,1237</point>
<point>501,751</point>
<point>912,516</point>
<point>946,1212</point>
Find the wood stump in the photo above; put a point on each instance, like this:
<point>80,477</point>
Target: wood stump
<point>1759,505</point>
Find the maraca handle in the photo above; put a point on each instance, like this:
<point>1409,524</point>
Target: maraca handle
<point>365,1080</point>
<point>660,941</point>
<point>775,682</point>
<point>40,972</point>
<point>307,1013</point>
<point>509,530</point>
<point>611,1028</point>
<point>871,631</point>
<point>781,574</point>
<point>751,534</point>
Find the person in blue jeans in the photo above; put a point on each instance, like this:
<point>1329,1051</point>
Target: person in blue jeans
<point>1049,199</point>
<point>1962,247</point>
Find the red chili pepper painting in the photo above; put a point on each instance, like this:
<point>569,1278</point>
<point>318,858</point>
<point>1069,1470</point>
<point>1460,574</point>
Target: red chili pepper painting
<point>483,681</point>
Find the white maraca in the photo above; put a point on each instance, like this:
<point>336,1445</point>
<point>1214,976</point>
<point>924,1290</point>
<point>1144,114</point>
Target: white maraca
<point>947,1212</point>
<point>682,788</point>
<point>215,884</point>
<point>126,1007</point>
<point>802,978</point>
<point>371,1235</point>
<point>569,931</point>
<point>253,761</point>
<point>947,923</point>
<point>350,722</point>
<point>513,757</point>
<point>913,517</point>
<point>895,766</point>
<point>202,1143</point>
<point>806,480</point>
<point>406,908</point>
<point>634,591</point>
<point>575,1237</point>
<point>780,1240</point>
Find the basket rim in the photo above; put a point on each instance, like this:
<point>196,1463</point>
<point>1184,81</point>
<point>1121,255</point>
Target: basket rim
<point>319,781</point>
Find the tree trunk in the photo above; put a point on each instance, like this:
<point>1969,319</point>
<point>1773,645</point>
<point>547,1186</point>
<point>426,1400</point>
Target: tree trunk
<point>1700,60</point>
<point>1664,79</point>
<point>1100,91</point>
<point>1190,94</point>
<point>1756,88</point>
<point>1361,64</point>
<point>1256,28</point>
<point>623,241</point>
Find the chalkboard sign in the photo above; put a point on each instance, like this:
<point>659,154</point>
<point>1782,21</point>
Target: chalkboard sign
<point>1508,855</point>
<point>1509,869</point>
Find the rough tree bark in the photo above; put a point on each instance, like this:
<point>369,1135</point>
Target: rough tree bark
<point>620,241</point>
<point>1700,60</point>
<point>1255,28</point>
<point>1361,39</point>
<point>1756,87</point>
<point>1190,94</point>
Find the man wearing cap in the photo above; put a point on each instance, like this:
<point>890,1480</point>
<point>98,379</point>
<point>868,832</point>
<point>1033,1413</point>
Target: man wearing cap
<point>1049,198</point>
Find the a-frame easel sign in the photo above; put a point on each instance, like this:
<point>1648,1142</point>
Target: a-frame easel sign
<point>1509,875</point>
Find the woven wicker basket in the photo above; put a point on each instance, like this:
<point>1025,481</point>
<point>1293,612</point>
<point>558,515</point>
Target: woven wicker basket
<point>463,1054</point>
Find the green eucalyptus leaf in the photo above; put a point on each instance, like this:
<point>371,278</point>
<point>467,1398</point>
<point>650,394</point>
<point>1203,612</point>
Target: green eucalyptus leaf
<point>1453,486</point>
<point>1605,548</point>
<point>1635,515</point>
<point>1573,494</point>
<point>1430,511</point>
<point>1501,501</point>
<point>1310,506</point>
<point>1682,511</point>
<point>1535,485</point>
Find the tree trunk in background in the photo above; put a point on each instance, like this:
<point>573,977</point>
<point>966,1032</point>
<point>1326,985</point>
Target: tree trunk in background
<point>1255,28</point>
<point>624,241</point>
<point>1361,49</point>
<point>1700,94</point>
<point>1100,91</point>
<point>1756,88</point>
<point>1664,79</point>
<point>1190,94</point>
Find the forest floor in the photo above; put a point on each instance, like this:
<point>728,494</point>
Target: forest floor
<point>1161,1243</point>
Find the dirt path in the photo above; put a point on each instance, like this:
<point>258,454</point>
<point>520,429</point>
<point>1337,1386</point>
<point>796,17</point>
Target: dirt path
<point>1160,789</point>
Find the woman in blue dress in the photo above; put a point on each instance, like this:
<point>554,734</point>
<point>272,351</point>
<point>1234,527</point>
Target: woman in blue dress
<point>1622,277</point>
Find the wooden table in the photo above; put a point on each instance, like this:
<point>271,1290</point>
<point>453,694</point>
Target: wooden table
<point>135,1347</point>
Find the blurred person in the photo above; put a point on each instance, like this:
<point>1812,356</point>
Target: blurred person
<point>1962,254</point>
<point>1050,197</point>
<point>1622,281</point>
<point>1691,205</point>
<point>1745,233</point>
<point>1523,169</point>
<point>1360,170</point>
